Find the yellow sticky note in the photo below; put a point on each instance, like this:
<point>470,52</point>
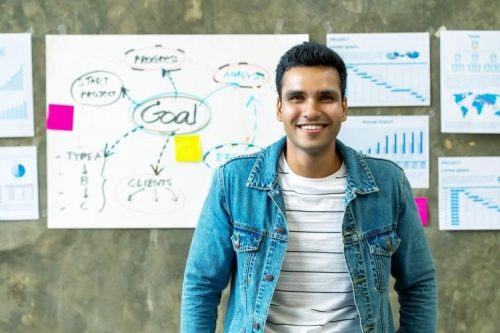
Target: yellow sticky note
<point>188,148</point>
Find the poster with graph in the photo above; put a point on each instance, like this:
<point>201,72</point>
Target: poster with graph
<point>469,193</point>
<point>385,69</point>
<point>16,86</point>
<point>136,125</point>
<point>18,183</point>
<point>470,81</point>
<point>401,139</point>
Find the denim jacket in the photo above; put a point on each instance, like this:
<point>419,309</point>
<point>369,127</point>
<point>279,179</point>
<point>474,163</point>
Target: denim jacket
<point>242,237</point>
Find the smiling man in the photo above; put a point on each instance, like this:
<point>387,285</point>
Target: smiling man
<point>309,231</point>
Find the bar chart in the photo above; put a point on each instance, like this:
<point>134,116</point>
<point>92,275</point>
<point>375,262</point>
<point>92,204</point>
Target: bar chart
<point>401,139</point>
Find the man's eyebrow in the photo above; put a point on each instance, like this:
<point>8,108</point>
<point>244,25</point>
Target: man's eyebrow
<point>329,92</point>
<point>294,92</point>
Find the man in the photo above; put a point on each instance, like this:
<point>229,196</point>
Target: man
<point>309,231</point>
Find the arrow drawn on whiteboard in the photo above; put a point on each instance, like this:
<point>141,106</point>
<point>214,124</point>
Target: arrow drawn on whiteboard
<point>166,73</point>
<point>156,168</point>
<point>252,104</point>
<point>229,85</point>
<point>156,195</point>
<point>124,94</point>
<point>130,196</point>
<point>109,151</point>
<point>174,197</point>
<point>84,169</point>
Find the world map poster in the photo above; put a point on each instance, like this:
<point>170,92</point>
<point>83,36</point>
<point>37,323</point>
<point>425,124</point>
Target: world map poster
<point>470,81</point>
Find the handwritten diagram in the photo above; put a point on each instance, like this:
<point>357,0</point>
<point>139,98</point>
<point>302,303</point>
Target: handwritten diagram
<point>137,124</point>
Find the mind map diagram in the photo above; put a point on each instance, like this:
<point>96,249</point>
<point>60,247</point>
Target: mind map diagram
<point>134,136</point>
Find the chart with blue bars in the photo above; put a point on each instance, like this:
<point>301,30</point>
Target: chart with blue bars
<point>402,139</point>
<point>16,90</point>
<point>469,193</point>
<point>385,69</point>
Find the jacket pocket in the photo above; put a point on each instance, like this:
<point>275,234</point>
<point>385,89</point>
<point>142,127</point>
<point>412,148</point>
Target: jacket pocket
<point>382,246</point>
<point>246,244</point>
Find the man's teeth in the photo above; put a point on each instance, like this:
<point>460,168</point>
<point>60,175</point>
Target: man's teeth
<point>311,127</point>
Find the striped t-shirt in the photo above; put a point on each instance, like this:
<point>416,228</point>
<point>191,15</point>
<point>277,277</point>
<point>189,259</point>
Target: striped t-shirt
<point>314,292</point>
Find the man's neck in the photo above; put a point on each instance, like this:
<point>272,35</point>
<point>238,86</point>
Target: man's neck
<point>314,166</point>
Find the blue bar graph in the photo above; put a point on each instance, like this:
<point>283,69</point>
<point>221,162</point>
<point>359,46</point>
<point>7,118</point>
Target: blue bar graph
<point>19,112</point>
<point>401,139</point>
<point>395,144</point>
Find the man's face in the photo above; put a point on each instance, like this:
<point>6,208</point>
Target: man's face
<point>311,109</point>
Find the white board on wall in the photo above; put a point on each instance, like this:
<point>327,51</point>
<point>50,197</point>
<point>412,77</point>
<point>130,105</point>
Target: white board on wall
<point>136,124</point>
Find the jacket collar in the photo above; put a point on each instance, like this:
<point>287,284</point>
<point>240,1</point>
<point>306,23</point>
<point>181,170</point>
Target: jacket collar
<point>264,173</point>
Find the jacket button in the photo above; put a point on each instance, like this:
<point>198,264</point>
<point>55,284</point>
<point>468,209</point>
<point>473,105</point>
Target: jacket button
<point>256,326</point>
<point>269,277</point>
<point>280,230</point>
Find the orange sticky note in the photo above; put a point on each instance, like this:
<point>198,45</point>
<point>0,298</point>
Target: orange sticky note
<point>188,148</point>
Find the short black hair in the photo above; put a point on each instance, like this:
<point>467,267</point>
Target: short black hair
<point>311,54</point>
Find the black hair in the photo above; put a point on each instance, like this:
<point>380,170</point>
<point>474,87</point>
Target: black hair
<point>311,54</point>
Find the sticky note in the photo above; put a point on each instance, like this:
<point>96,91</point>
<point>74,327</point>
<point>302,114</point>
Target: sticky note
<point>422,206</point>
<point>188,148</point>
<point>60,117</point>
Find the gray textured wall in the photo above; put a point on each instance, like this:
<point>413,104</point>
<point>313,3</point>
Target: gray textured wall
<point>130,280</point>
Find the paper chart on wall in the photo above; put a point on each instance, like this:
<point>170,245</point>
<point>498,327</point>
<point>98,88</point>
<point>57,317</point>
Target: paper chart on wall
<point>385,69</point>
<point>470,81</point>
<point>137,124</point>
<point>18,183</point>
<point>469,193</point>
<point>16,86</point>
<point>401,139</point>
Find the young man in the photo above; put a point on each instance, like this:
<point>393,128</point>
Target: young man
<point>309,231</point>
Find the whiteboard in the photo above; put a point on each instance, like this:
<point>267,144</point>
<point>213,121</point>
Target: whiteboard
<point>136,124</point>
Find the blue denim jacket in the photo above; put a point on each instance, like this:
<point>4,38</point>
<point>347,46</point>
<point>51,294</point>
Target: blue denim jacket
<point>242,237</point>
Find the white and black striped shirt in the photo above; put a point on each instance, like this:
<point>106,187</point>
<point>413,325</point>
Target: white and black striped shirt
<point>314,291</point>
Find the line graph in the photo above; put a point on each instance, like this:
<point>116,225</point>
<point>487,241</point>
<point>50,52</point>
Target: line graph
<point>15,82</point>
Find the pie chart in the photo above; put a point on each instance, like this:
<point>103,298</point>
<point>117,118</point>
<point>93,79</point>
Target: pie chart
<point>18,170</point>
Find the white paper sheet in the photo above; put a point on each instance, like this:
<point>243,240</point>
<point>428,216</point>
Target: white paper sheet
<point>16,86</point>
<point>469,193</point>
<point>385,69</point>
<point>18,183</point>
<point>402,139</point>
<point>136,124</point>
<point>470,81</point>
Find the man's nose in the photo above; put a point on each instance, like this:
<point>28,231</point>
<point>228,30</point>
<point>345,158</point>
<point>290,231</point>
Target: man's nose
<point>311,109</point>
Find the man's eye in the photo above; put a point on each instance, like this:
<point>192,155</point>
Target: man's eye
<point>296,98</point>
<point>327,98</point>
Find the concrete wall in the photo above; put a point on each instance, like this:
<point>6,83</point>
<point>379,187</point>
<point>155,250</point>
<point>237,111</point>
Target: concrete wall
<point>103,281</point>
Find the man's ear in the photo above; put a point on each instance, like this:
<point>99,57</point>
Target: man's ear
<point>279,114</point>
<point>344,109</point>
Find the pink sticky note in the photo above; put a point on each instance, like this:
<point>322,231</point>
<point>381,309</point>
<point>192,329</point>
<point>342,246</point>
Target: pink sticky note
<point>423,210</point>
<point>60,117</point>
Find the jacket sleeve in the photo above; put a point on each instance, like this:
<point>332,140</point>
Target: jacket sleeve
<point>209,262</point>
<point>414,271</point>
